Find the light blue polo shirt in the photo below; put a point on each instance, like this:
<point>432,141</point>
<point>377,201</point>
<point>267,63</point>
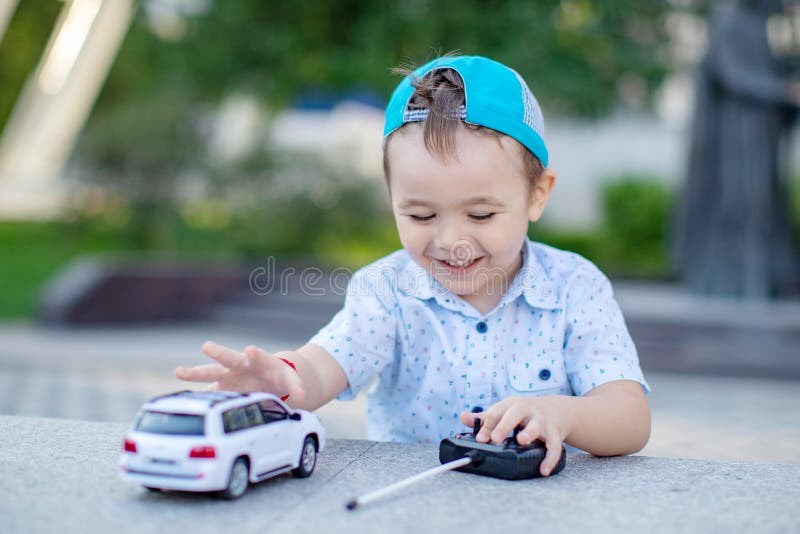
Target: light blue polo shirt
<point>556,331</point>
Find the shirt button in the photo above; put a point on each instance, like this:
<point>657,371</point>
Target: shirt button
<point>544,374</point>
<point>477,409</point>
<point>481,327</point>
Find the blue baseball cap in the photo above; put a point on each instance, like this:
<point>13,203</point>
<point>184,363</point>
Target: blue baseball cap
<point>495,97</point>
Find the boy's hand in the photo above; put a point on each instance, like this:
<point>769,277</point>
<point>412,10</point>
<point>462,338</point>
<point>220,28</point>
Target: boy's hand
<point>543,418</point>
<point>253,370</point>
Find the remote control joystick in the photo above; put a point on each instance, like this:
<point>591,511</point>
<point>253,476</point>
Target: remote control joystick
<point>476,427</point>
<point>512,441</point>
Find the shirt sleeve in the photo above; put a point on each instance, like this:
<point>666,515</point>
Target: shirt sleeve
<point>598,347</point>
<point>361,336</point>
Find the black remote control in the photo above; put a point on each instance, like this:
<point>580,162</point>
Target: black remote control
<point>509,460</point>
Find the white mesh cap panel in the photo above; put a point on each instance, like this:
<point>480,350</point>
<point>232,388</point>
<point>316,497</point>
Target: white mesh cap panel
<point>533,113</point>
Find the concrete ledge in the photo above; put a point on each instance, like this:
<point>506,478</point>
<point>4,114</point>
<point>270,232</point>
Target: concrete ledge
<point>62,474</point>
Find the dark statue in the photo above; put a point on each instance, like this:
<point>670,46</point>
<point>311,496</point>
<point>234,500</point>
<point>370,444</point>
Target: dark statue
<point>734,234</point>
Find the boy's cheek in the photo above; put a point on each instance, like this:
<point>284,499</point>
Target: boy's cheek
<point>411,238</point>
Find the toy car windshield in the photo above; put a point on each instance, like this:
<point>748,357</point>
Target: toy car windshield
<point>171,423</point>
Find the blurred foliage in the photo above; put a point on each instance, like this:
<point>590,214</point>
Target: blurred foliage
<point>139,158</point>
<point>633,239</point>
<point>337,221</point>
<point>148,176</point>
<point>285,204</point>
<point>21,47</point>
<point>573,52</point>
<point>638,213</point>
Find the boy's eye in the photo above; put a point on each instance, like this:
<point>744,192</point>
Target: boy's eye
<point>422,218</point>
<point>481,216</point>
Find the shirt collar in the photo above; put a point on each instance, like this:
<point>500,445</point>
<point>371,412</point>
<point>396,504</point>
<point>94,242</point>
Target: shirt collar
<point>533,282</point>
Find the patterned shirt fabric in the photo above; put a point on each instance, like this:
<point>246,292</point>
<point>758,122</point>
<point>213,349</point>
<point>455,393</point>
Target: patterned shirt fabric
<point>556,331</point>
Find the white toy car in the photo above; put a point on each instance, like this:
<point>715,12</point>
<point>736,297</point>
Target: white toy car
<point>218,441</point>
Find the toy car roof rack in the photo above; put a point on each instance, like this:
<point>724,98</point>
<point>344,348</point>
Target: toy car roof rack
<point>214,396</point>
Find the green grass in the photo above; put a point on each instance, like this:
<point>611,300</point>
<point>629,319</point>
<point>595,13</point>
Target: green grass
<point>31,254</point>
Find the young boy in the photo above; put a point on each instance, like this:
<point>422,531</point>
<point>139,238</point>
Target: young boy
<point>470,318</point>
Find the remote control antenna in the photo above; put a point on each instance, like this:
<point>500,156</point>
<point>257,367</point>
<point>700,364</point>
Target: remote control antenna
<point>472,458</point>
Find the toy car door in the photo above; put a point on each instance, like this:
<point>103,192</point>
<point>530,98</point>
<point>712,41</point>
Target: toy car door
<point>261,450</point>
<point>279,433</point>
<point>243,432</point>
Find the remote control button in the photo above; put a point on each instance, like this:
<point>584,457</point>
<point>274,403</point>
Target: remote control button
<point>481,327</point>
<point>544,374</point>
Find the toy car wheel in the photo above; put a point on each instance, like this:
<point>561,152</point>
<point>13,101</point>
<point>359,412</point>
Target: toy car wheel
<point>308,458</point>
<point>237,481</point>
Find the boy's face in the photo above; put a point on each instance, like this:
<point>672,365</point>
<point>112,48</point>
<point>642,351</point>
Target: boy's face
<point>464,219</point>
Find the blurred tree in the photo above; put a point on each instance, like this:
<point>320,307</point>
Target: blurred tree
<point>573,52</point>
<point>140,151</point>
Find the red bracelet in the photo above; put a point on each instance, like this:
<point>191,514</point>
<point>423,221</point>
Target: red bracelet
<point>290,364</point>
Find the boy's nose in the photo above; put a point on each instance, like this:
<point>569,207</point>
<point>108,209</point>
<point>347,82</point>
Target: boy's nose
<point>447,235</point>
<point>455,246</point>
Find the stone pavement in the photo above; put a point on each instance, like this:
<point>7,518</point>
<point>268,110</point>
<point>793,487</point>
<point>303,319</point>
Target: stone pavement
<point>105,374</point>
<point>61,475</point>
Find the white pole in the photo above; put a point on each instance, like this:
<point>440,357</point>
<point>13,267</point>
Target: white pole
<point>55,103</point>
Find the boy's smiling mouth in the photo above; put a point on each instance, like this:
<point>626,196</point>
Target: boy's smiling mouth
<point>456,266</point>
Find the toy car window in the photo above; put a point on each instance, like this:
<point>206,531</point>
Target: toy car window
<point>254,416</point>
<point>272,411</point>
<point>171,423</point>
<point>233,420</point>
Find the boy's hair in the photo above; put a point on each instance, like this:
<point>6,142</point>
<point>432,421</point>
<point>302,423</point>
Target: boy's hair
<point>441,93</point>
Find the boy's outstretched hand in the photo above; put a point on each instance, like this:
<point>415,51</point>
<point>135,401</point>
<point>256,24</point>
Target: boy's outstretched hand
<point>542,418</point>
<point>252,370</point>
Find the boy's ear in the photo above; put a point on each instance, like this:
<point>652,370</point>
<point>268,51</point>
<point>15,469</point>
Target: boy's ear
<point>540,194</point>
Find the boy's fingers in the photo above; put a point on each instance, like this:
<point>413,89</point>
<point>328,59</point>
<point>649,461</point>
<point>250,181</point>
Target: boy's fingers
<point>201,373</point>
<point>468,418</point>
<point>253,357</point>
<point>225,356</point>
<point>489,420</point>
<point>513,417</point>
<point>553,444</point>
<point>552,441</point>
<point>530,433</point>
<point>286,377</point>
<point>261,359</point>
<point>264,364</point>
